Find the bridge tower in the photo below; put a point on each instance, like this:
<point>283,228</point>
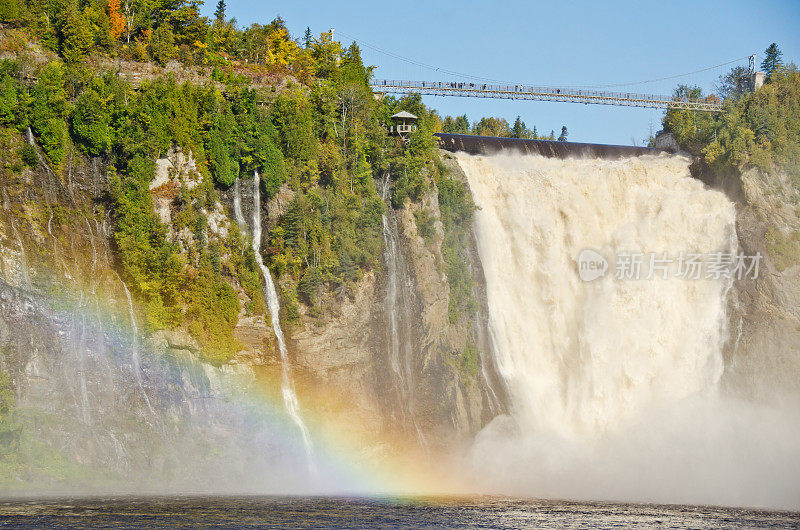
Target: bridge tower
<point>756,78</point>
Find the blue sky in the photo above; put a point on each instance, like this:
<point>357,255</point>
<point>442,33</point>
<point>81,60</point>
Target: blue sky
<point>549,43</point>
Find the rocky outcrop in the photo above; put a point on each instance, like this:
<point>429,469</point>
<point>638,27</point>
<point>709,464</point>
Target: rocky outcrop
<point>340,350</point>
<point>109,397</point>
<point>763,353</point>
<point>351,350</point>
<point>94,402</point>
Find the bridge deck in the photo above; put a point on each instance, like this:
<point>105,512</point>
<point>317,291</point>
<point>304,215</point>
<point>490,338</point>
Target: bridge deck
<point>483,90</point>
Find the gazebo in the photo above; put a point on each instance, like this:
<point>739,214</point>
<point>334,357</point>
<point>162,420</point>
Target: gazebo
<point>403,123</point>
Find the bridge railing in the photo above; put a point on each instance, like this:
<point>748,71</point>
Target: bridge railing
<point>522,91</point>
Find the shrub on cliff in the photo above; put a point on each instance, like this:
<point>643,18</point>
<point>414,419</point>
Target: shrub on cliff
<point>457,209</point>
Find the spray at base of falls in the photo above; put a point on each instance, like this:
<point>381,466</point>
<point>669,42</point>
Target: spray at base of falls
<point>271,294</point>
<point>614,383</point>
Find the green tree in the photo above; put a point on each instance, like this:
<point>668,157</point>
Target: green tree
<point>352,67</point>
<point>563,136</point>
<point>12,11</point>
<point>219,14</point>
<point>162,44</point>
<point>492,127</point>
<point>519,130</point>
<point>8,100</point>
<point>91,121</point>
<point>307,38</point>
<point>49,109</point>
<point>188,27</point>
<point>734,84</point>
<point>692,130</point>
<point>457,125</point>
<point>772,59</point>
<point>77,35</point>
<point>224,168</point>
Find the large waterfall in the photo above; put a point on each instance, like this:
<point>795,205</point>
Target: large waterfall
<point>271,294</point>
<point>615,382</point>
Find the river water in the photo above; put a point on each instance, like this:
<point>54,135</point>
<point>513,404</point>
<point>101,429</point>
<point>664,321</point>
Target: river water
<point>333,512</point>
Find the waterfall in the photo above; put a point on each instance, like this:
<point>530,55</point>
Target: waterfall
<point>397,308</point>
<point>395,302</point>
<point>614,383</point>
<point>137,369</point>
<point>94,256</point>
<point>23,259</point>
<point>237,207</point>
<point>270,293</point>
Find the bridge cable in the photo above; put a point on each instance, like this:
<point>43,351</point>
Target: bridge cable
<point>481,78</point>
<point>418,63</point>
<point>671,76</point>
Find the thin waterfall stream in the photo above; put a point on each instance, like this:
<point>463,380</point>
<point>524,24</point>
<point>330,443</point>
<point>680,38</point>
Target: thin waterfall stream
<point>397,308</point>
<point>273,304</point>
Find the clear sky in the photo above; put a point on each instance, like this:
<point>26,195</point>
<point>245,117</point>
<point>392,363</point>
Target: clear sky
<point>549,43</point>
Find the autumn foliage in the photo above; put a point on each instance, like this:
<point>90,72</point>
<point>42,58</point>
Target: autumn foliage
<point>116,18</point>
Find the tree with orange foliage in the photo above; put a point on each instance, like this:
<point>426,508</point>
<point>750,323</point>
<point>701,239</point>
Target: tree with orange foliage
<point>116,18</point>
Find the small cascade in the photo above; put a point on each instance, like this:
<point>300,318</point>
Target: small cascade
<point>50,233</point>
<point>485,340</point>
<point>237,207</point>
<point>80,349</point>
<point>135,349</point>
<point>26,278</point>
<point>270,293</point>
<point>491,395</point>
<point>94,256</point>
<point>397,308</point>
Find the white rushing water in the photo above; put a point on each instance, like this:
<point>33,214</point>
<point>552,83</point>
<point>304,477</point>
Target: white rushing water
<point>237,207</point>
<point>614,382</point>
<point>273,304</point>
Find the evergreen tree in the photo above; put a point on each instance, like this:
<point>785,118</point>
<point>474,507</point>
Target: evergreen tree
<point>772,61</point>
<point>77,35</point>
<point>535,134</point>
<point>307,38</point>
<point>519,130</point>
<point>552,135</point>
<point>462,124</point>
<point>219,14</point>
<point>563,137</point>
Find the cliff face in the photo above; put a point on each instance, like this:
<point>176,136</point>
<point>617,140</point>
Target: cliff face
<point>88,400</point>
<point>393,349</point>
<point>103,399</point>
<point>763,352</point>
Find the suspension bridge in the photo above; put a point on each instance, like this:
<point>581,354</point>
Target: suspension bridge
<point>539,93</point>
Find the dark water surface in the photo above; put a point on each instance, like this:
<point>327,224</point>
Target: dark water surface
<point>341,512</point>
